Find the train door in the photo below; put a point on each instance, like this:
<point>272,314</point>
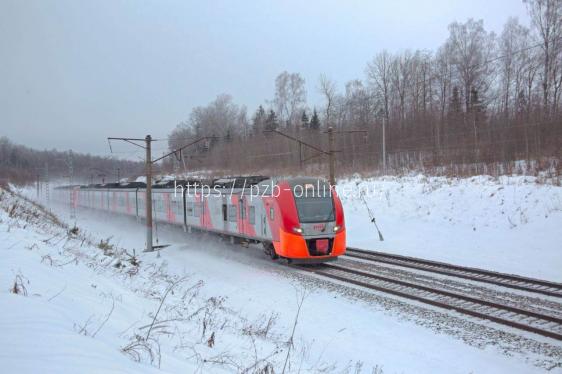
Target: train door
<point>264,223</point>
<point>241,214</point>
<point>224,211</point>
<point>204,222</point>
<point>137,203</point>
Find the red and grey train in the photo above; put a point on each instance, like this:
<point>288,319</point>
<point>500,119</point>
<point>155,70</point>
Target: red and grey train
<point>300,219</point>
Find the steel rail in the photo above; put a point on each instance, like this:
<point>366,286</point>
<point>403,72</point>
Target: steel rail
<point>462,308</point>
<point>470,273</point>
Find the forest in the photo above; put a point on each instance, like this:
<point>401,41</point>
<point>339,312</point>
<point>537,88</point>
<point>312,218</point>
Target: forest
<point>22,165</point>
<point>480,103</point>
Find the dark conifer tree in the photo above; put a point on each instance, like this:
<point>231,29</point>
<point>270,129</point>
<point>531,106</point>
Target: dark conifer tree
<point>271,122</point>
<point>304,120</point>
<point>258,121</point>
<point>315,121</point>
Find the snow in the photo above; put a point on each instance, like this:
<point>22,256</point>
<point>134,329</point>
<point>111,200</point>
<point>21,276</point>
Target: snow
<point>83,306</point>
<point>38,335</point>
<point>511,224</point>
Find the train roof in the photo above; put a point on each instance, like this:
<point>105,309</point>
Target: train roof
<point>239,181</point>
<point>242,181</point>
<point>67,187</point>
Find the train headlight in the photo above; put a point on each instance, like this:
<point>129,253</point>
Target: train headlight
<point>337,228</point>
<point>297,230</point>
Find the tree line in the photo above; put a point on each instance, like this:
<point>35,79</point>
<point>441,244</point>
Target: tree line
<point>22,165</point>
<point>478,98</point>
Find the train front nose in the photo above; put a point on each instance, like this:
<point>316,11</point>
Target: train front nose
<point>314,240</point>
<point>316,227</point>
<point>319,238</point>
<point>324,238</point>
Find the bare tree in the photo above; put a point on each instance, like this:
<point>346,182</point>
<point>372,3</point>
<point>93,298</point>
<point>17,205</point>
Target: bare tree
<point>359,106</point>
<point>218,118</point>
<point>327,88</point>
<point>401,71</point>
<point>546,16</point>
<point>378,74</point>
<point>513,47</point>
<point>471,48</point>
<point>443,75</point>
<point>290,96</point>
<point>242,121</point>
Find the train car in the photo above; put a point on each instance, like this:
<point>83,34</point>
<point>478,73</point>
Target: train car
<point>306,220</point>
<point>67,194</point>
<point>300,219</point>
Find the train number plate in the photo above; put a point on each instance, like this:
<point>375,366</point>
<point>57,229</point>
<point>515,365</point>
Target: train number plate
<point>322,245</point>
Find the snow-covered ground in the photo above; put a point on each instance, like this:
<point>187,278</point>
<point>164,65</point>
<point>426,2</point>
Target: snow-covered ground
<point>85,306</point>
<point>510,224</point>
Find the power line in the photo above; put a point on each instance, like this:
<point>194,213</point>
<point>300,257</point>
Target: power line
<point>537,45</point>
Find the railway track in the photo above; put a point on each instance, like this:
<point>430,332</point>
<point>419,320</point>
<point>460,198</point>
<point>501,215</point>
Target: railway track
<point>515,317</point>
<point>517,282</point>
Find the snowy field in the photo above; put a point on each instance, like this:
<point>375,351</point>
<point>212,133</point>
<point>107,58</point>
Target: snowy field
<point>84,304</point>
<point>511,224</point>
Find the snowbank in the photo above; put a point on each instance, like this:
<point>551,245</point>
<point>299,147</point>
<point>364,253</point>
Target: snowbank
<point>510,224</point>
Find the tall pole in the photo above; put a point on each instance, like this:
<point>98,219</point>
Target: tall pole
<point>71,190</point>
<point>300,156</point>
<point>148,170</point>
<point>332,159</point>
<point>148,196</point>
<point>47,192</point>
<point>384,144</point>
<point>331,152</point>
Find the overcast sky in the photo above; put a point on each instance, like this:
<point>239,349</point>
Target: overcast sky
<point>74,72</point>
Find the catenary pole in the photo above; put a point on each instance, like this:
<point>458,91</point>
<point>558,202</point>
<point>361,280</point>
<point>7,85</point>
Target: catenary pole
<point>384,145</point>
<point>331,157</point>
<point>148,174</point>
<point>331,152</point>
<point>148,194</point>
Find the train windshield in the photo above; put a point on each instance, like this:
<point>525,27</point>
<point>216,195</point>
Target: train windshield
<point>315,209</point>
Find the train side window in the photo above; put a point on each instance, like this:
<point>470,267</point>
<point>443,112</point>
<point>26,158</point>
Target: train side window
<point>189,208</point>
<point>232,213</point>
<point>224,213</point>
<point>252,215</point>
<point>271,214</point>
<point>197,209</point>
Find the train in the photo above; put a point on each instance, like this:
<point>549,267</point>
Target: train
<point>299,219</point>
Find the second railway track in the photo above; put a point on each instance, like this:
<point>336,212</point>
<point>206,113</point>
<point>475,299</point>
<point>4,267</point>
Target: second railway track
<point>515,317</point>
<point>537,286</point>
